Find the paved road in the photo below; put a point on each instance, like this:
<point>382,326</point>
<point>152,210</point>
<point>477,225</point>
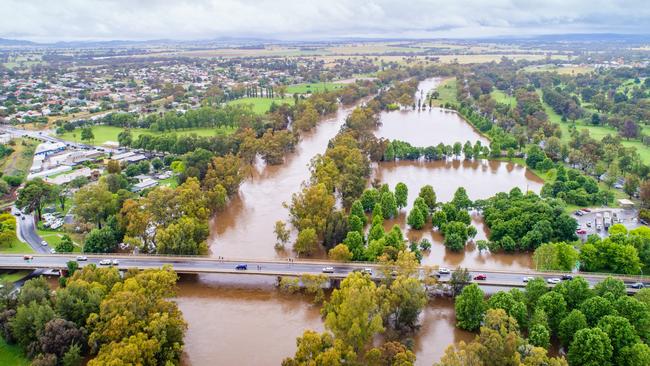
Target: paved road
<point>26,228</point>
<point>262,267</point>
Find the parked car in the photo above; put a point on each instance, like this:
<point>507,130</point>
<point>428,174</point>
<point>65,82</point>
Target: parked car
<point>480,277</point>
<point>586,210</point>
<point>638,285</point>
<point>105,262</point>
<point>241,267</point>
<point>528,278</point>
<point>553,281</point>
<point>444,270</point>
<point>588,224</point>
<point>578,213</point>
<point>82,258</point>
<point>28,257</point>
<point>328,270</point>
<point>567,277</point>
<point>581,231</point>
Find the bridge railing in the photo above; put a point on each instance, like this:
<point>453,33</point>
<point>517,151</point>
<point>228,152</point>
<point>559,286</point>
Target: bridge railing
<point>171,258</point>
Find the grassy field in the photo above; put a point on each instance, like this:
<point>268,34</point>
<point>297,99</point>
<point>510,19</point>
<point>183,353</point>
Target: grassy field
<point>261,105</point>
<point>12,355</point>
<point>596,132</point>
<point>566,70</point>
<point>503,98</point>
<point>447,92</point>
<point>17,246</point>
<point>13,276</point>
<point>109,133</point>
<point>19,162</point>
<point>312,87</point>
<point>481,58</point>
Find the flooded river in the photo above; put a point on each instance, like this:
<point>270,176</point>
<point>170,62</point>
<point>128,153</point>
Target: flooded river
<point>236,323</point>
<point>250,323</point>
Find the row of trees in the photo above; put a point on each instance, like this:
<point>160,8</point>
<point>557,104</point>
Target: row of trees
<point>360,310</point>
<point>602,326</point>
<point>96,314</point>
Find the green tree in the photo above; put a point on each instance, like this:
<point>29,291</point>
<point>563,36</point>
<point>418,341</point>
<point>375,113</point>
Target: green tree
<point>461,201</point>
<point>555,307</point>
<point>429,196</point>
<point>94,203</point>
<point>595,308</point>
<point>415,219</point>
<point>636,355</point>
<point>281,234</point>
<point>340,253</point>
<point>612,286</point>
<point>539,336</point>
<point>34,195</point>
<point>590,347</point>
<point>620,332</point>
<point>357,210</point>
<point>320,349</point>
<point>401,195</point>
<point>353,313</point>
<point>572,323</point>
<point>470,308</point>
<point>306,242</point>
<point>87,134</point>
<point>65,245</point>
<point>388,205</point>
<point>311,208</point>
<point>100,241</point>
<point>29,322</point>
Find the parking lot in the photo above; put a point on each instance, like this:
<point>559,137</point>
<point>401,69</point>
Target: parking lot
<point>587,220</point>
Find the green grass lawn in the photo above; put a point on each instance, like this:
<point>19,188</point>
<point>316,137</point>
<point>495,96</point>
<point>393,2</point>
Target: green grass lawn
<point>596,132</point>
<point>11,355</point>
<point>20,160</point>
<point>446,92</point>
<point>312,87</point>
<point>17,246</point>
<point>109,133</point>
<point>261,105</point>
<point>170,182</point>
<point>503,98</point>
<point>13,276</point>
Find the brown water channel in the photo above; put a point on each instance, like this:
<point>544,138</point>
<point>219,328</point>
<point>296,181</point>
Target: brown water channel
<point>248,323</point>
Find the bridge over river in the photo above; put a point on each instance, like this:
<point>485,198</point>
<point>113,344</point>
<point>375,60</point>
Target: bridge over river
<point>277,268</point>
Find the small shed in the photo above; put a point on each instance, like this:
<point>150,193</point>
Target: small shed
<point>625,203</point>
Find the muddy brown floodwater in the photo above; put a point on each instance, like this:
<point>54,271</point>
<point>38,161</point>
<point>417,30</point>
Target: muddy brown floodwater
<point>237,321</point>
<point>481,179</point>
<point>245,228</point>
<point>427,127</point>
<point>247,322</point>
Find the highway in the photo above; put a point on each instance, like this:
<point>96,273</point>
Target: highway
<point>197,265</point>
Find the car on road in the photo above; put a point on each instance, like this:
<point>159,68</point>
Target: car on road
<point>82,258</point>
<point>444,270</point>
<point>18,213</point>
<point>115,262</point>
<point>528,278</point>
<point>105,262</point>
<point>578,213</point>
<point>241,267</point>
<point>553,281</point>
<point>328,270</point>
<point>52,250</point>
<point>567,277</point>
<point>368,271</point>
<point>480,277</point>
<point>588,224</point>
<point>581,231</point>
<point>22,218</point>
<point>638,285</point>
<point>44,243</point>
<point>28,257</point>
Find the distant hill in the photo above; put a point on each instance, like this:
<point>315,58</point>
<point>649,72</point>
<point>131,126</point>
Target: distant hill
<point>15,42</point>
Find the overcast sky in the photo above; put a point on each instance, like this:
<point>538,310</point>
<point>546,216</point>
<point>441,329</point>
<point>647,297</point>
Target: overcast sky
<point>54,20</point>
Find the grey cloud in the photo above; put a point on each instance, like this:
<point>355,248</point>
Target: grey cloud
<point>48,20</point>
